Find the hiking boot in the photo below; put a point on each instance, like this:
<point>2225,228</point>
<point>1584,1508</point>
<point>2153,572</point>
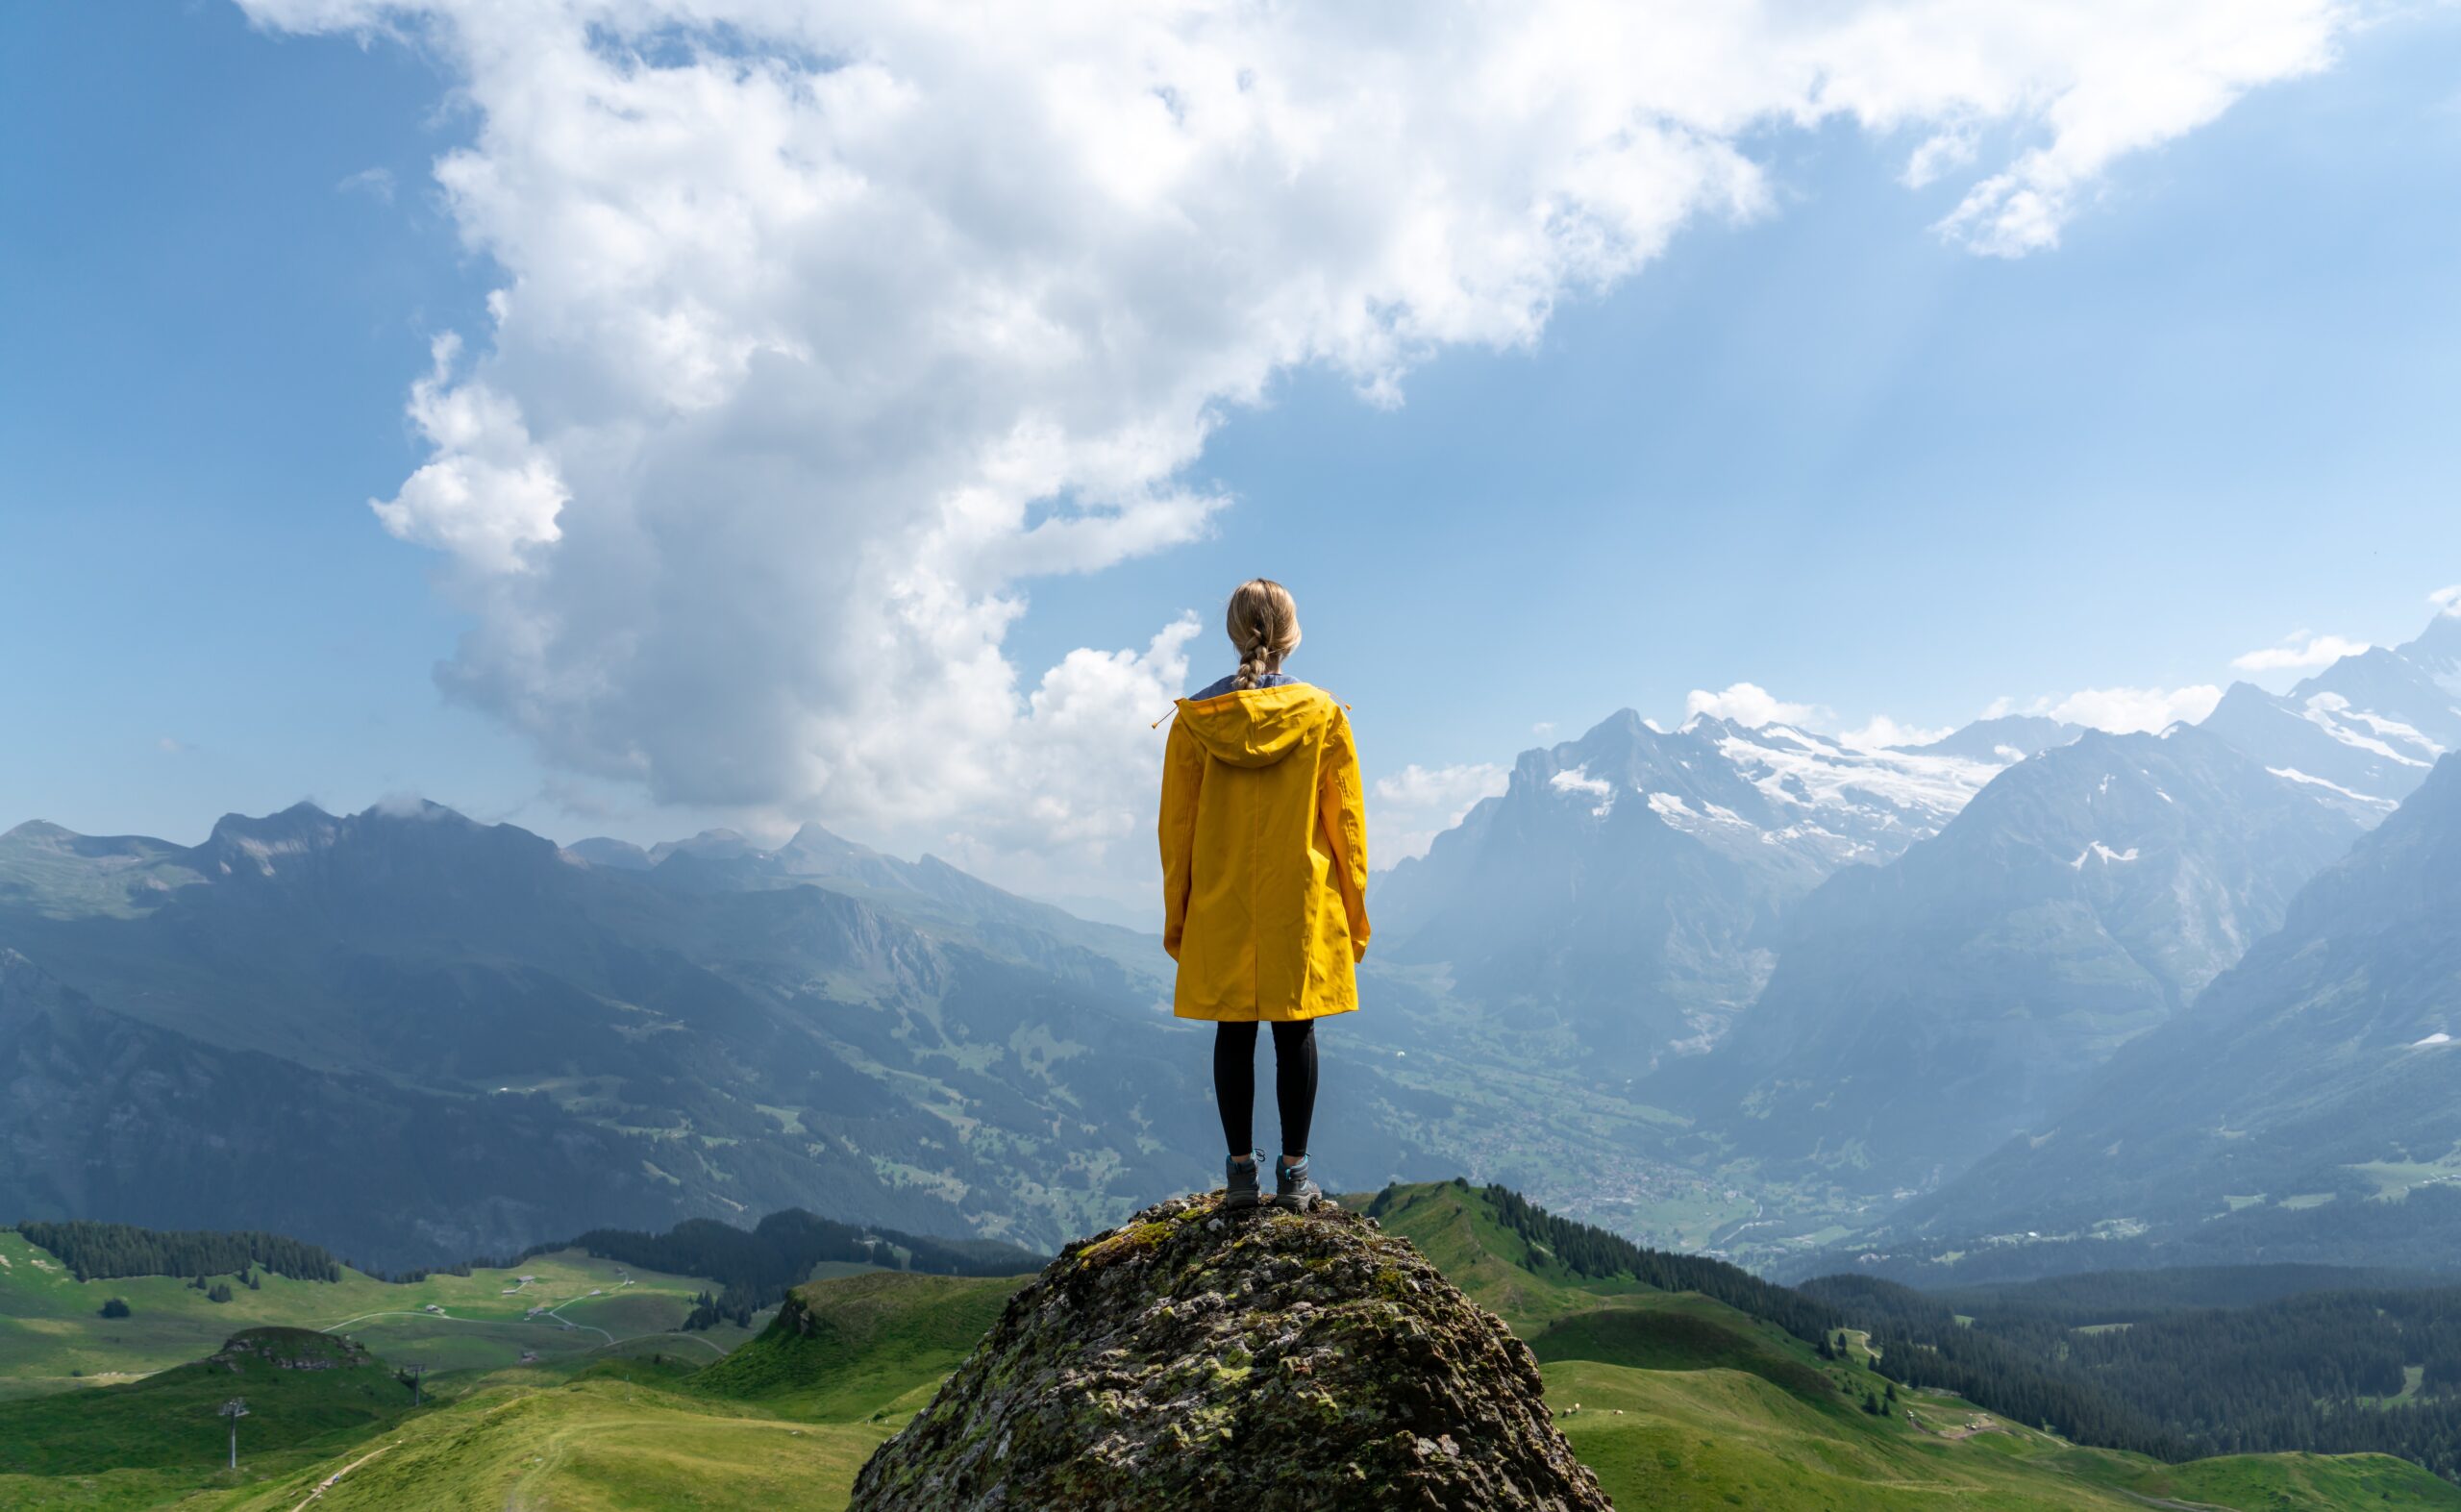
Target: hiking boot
<point>1291,1187</point>
<point>1239,1188</point>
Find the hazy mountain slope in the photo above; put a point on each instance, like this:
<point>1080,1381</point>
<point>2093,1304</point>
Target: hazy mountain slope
<point>2437,653</point>
<point>708,1036</point>
<point>928,893</point>
<point>1922,1012</point>
<point>102,1116</point>
<point>1627,882</point>
<point>2323,1068</point>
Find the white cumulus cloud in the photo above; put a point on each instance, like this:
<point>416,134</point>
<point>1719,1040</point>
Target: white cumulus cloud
<point>2299,649</point>
<point>488,493</point>
<point>1884,733</point>
<point>2448,600</point>
<point>2122,709</point>
<point>1749,704</point>
<point>821,332</point>
<point>1406,810</point>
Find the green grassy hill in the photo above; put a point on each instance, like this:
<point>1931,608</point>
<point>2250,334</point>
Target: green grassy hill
<point>572,1309</point>
<point>1677,1400</point>
<point>847,1348</point>
<point>299,1386</point>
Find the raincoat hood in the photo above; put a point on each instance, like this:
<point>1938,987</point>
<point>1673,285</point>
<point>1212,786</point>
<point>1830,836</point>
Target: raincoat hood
<point>1258,727</point>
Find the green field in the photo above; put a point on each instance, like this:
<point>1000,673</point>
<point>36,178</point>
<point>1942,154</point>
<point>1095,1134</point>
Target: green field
<point>53,1336</point>
<point>1675,1399</point>
<point>593,1444</point>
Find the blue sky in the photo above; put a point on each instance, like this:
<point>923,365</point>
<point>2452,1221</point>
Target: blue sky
<point>1822,447</point>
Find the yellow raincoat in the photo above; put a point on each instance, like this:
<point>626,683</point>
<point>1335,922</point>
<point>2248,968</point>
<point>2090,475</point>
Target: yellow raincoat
<point>1264,855</point>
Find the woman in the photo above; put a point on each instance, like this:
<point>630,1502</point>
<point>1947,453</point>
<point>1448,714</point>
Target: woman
<point>1264,880</point>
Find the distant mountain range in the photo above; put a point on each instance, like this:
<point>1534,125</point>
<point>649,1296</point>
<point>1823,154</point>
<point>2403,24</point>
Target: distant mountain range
<point>1923,1011</point>
<point>1755,987</point>
<point>1869,969</point>
<point>414,1037</point>
<point>1630,882</point>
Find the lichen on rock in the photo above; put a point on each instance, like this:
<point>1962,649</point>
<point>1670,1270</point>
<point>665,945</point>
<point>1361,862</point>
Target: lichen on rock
<point>1197,1359</point>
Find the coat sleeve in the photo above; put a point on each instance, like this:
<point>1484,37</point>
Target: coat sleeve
<point>1182,777</point>
<point>1343,803</point>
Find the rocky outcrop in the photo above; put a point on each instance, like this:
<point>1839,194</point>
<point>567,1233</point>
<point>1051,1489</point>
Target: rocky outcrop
<point>292,1349</point>
<point>1195,1358</point>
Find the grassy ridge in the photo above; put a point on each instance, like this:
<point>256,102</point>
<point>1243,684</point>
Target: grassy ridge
<point>846,1348</point>
<point>1495,1267</point>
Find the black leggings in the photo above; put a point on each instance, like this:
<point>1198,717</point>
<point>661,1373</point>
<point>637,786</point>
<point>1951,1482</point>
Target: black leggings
<point>1294,1083</point>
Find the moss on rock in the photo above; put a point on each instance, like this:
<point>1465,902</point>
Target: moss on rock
<point>1197,1359</point>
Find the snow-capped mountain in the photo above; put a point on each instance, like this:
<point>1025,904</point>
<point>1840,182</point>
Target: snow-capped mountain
<point>1626,881</point>
<point>1812,797</point>
<point>1630,882</point>
<point>1925,1011</point>
<point>2365,730</point>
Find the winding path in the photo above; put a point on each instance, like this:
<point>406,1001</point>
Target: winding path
<point>330,1481</point>
<point>553,1312</point>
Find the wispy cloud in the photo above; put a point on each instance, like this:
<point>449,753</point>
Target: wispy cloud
<point>2301,648</point>
<point>376,182</point>
<point>2448,600</point>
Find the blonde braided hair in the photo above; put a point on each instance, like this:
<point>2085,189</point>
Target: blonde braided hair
<point>1263,621</point>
